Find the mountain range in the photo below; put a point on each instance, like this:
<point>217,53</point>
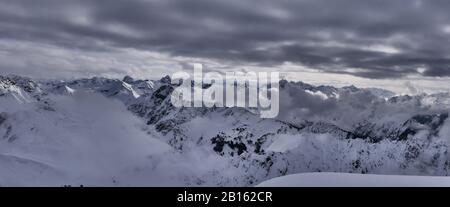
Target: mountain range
<point>125,132</point>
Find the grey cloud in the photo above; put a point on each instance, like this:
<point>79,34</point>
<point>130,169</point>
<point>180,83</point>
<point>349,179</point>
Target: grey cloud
<point>381,39</point>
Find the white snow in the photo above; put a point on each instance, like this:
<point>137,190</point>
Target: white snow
<point>355,180</point>
<point>287,142</point>
<point>93,132</point>
<point>90,140</point>
<point>69,90</point>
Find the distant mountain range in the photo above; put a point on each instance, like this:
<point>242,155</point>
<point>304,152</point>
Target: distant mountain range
<point>112,132</point>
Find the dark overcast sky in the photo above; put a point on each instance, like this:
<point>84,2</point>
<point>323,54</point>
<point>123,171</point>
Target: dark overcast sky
<point>366,38</point>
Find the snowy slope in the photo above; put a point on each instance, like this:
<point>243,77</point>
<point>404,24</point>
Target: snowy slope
<point>101,131</point>
<point>80,139</point>
<point>355,180</point>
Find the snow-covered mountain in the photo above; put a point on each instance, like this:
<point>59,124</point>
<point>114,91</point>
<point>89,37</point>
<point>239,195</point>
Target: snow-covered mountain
<point>101,131</point>
<point>355,180</point>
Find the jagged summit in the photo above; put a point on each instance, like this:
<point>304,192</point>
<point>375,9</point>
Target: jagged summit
<point>128,79</point>
<point>166,79</point>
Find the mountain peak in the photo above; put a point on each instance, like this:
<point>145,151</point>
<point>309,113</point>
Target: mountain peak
<point>128,79</point>
<point>166,79</point>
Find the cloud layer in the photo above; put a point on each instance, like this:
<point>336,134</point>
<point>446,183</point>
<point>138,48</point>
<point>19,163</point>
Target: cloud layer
<point>372,39</point>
